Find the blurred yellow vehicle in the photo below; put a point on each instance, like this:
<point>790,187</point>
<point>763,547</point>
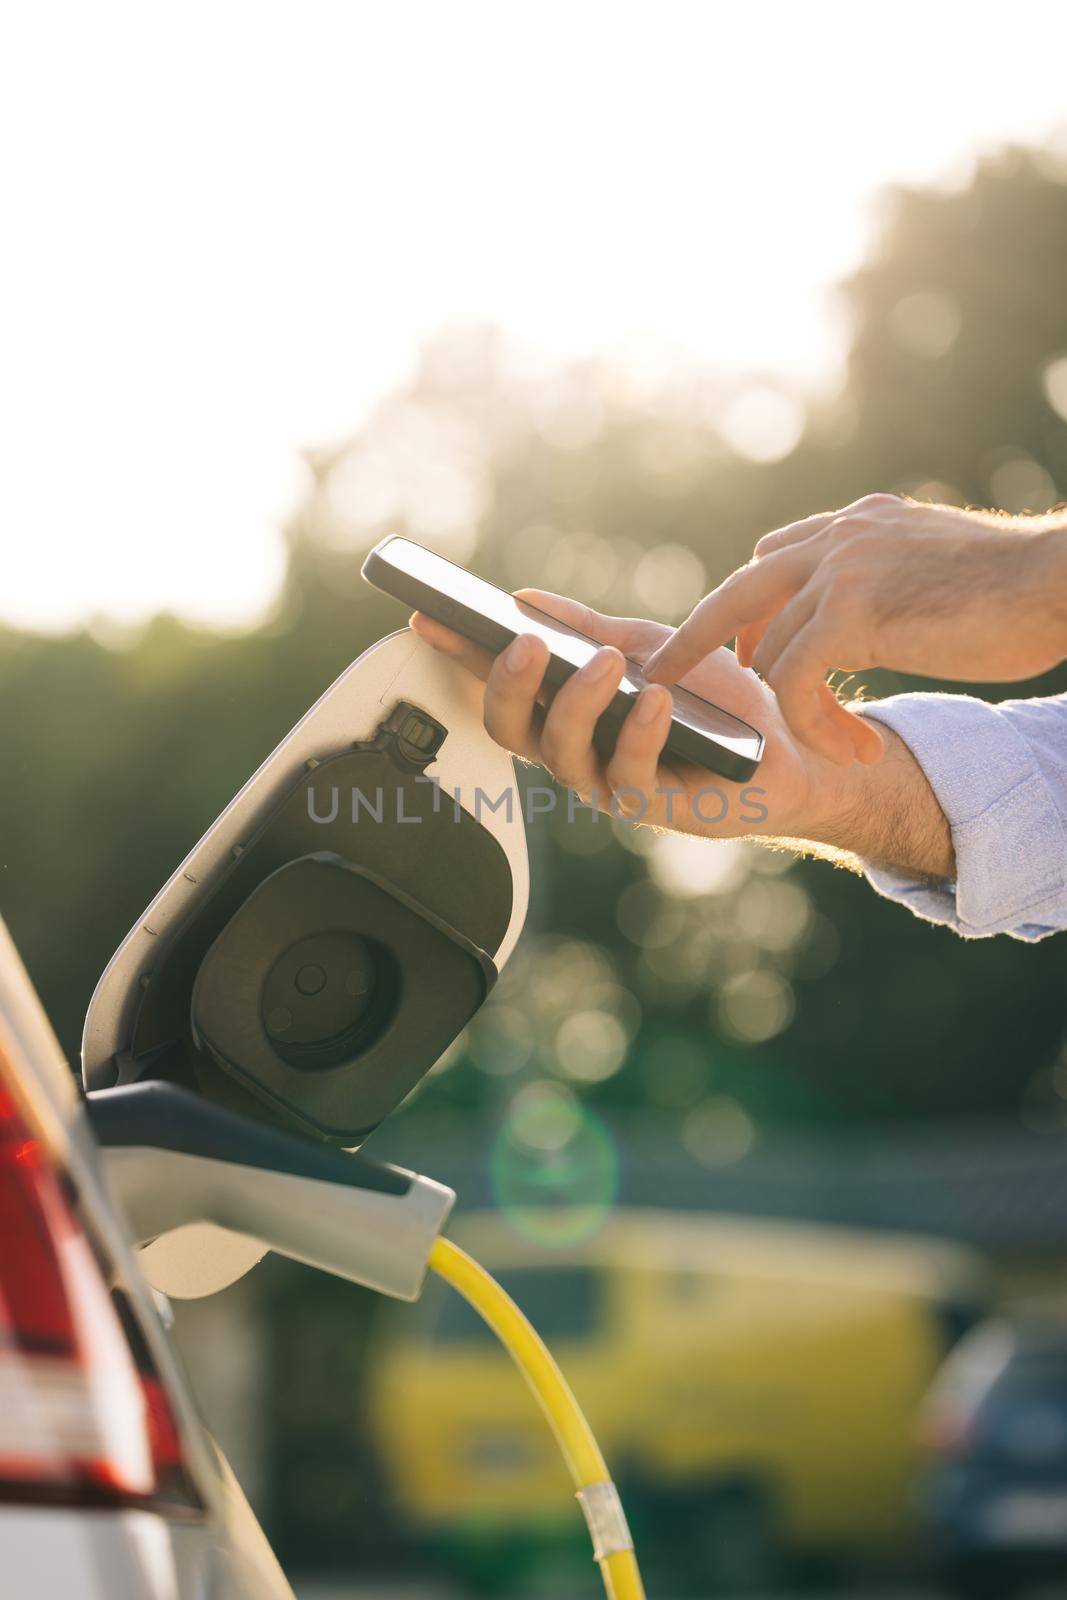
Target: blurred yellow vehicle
<point>753,1385</point>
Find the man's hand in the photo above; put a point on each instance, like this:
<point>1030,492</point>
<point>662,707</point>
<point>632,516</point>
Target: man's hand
<point>559,736</point>
<point>888,814</point>
<point>884,583</point>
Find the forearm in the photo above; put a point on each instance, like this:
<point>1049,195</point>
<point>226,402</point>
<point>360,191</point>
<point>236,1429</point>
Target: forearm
<point>886,814</point>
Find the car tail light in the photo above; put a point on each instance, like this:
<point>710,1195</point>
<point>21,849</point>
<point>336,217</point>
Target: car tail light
<point>83,1416</point>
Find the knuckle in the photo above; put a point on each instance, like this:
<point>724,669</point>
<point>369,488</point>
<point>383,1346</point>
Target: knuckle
<point>842,529</point>
<point>727,589</point>
<point>595,624</point>
<point>629,778</point>
<point>878,504</point>
<point>775,565</point>
<point>588,621</point>
<point>616,780</point>
<point>619,773</point>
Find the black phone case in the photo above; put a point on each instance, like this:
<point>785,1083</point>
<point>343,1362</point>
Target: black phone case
<point>683,742</point>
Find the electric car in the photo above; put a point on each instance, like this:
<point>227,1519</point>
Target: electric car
<point>110,1486</point>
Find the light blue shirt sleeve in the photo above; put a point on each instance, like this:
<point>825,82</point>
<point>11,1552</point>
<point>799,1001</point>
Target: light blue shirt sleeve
<point>1000,775</point>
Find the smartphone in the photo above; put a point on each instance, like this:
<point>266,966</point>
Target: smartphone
<point>700,732</point>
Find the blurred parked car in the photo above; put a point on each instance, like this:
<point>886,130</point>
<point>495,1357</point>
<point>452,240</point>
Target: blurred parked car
<point>754,1386</point>
<point>110,1487</point>
<point>994,1497</point>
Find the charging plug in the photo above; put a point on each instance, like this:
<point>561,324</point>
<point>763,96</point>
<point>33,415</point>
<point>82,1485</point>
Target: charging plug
<point>175,1160</point>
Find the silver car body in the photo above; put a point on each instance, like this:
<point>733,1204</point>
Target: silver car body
<point>219,1553</point>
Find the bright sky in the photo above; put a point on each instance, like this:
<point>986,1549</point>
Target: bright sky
<point>228,225</point>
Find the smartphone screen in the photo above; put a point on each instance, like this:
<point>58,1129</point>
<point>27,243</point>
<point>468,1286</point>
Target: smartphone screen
<point>458,598</point>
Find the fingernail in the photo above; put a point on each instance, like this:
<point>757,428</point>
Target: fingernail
<point>650,704</point>
<point>517,654</point>
<point>599,665</point>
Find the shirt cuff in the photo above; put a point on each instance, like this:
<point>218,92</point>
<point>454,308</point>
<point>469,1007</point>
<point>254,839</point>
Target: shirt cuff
<point>1008,834</point>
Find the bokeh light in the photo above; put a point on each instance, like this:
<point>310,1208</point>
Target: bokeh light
<point>762,423</point>
<point>667,582</point>
<point>1054,382</point>
<point>927,323</point>
<point>754,1006</point>
<point>773,912</point>
<point>718,1132</point>
<point>568,409</point>
<point>647,917</point>
<point>419,466</point>
<point>554,1167</point>
<point>685,866</point>
<point>1019,483</point>
<point>591,1045</point>
<point>500,1040</point>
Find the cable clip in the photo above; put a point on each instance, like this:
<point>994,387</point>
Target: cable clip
<point>606,1519</point>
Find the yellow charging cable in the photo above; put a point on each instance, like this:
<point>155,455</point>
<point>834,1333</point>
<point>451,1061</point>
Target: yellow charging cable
<point>612,1545</point>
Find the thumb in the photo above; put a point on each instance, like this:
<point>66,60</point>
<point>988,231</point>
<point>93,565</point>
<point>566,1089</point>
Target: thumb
<point>634,636</point>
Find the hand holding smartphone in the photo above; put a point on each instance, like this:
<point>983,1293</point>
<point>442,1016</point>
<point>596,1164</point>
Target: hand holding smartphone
<point>700,732</point>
